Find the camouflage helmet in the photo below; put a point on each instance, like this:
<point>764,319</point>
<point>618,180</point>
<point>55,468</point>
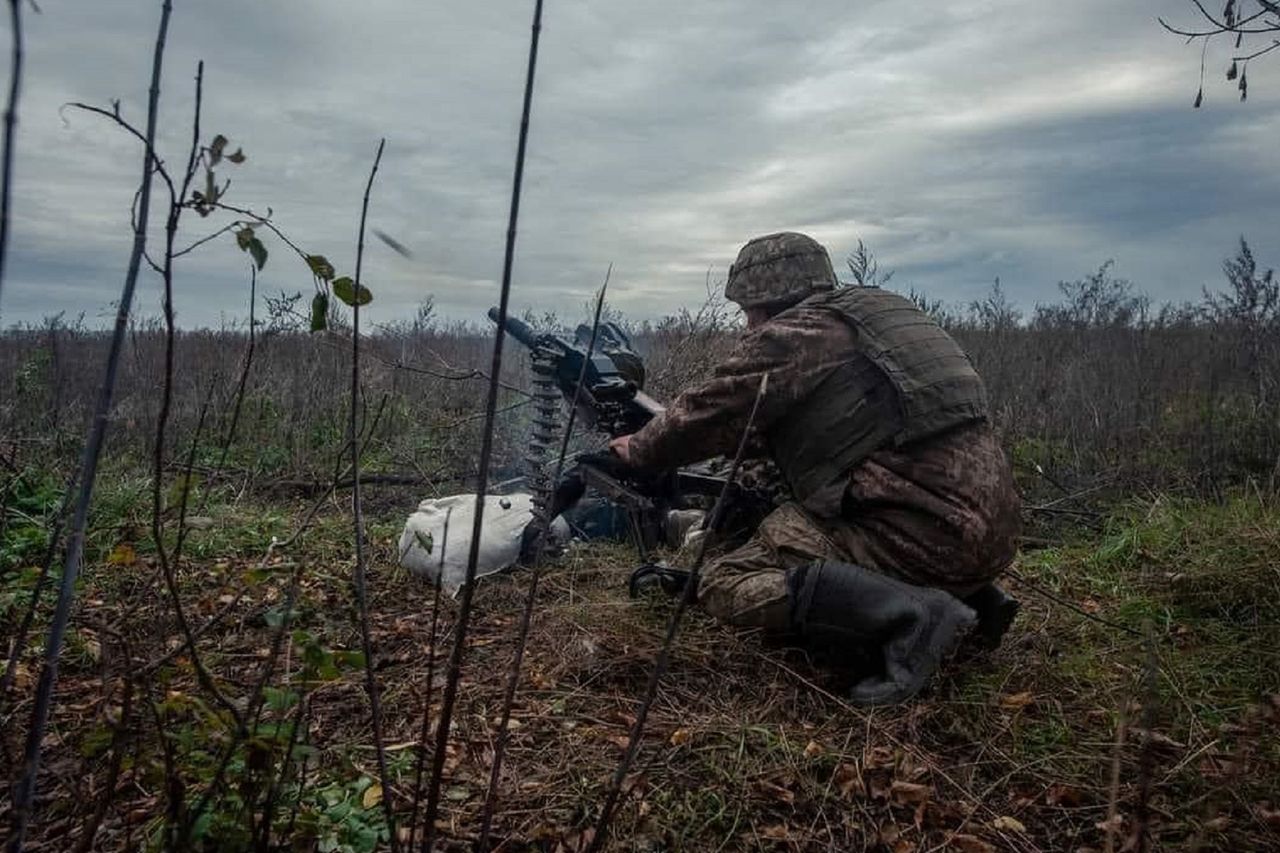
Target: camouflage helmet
<point>779,268</point>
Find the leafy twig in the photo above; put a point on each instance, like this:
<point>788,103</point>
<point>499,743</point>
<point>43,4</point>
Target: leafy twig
<point>167,561</point>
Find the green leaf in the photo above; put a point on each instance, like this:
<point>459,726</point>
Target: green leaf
<point>182,483</point>
<point>425,541</point>
<point>319,312</point>
<point>259,252</point>
<point>200,829</point>
<point>320,267</point>
<point>275,617</point>
<point>352,659</point>
<point>351,293</point>
<point>236,157</point>
<point>215,148</point>
<point>279,700</point>
<point>254,577</point>
<point>243,237</point>
<point>338,813</point>
<point>366,840</point>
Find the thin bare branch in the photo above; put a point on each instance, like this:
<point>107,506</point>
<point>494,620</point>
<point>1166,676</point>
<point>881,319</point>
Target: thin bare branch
<point>25,790</point>
<point>231,226</point>
<point>245,365</point>
<point>430,688</point>
<point>526,615</point>
<point>664,654</point>
<point>361,586</point>
<point>10,124</point>
<point>1275,44</point>
<point>153,159</point>
<point>486,452</point>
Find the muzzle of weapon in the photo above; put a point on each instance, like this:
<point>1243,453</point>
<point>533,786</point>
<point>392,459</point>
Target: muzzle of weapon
<point>516,328</point>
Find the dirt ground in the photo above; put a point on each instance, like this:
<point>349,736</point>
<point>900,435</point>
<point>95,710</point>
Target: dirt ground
<point>1071,736</point>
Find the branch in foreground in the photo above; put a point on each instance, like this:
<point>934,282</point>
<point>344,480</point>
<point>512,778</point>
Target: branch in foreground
<point>486,452</point>
<point>664,655</point>
<point>526,615</point>
<point>10,123</point>
<point>24,792</point>
<point>362,589</point>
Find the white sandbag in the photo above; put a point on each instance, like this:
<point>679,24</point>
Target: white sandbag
<point>428,551</point>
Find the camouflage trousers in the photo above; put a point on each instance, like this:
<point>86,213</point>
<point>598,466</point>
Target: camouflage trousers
<point>943,513</point>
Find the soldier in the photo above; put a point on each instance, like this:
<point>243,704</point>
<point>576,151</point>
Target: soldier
<point>904,502</point>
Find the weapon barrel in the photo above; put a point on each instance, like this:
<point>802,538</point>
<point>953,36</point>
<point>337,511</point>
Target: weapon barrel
<point>517,328</point>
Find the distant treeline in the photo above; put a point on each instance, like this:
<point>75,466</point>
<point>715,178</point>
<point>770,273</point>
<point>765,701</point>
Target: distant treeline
<point>1098,388</point>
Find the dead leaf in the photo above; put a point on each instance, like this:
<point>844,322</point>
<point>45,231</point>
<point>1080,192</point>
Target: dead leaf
<point>620,741</point>
<point>1157,739</point>
<point>1006,823</point>
<point>878,783</point>
<point>909,792</point>
<point>1065,796</point>
<point>970,844</point>
<point>1111,825</point>
<point>1017,701</point>
<point>576,842</point>
<point>372,796</point>
<point>92,646</point>
<point>777,832</point>
<point>813,749</point>
<point>1218,824</point>
<point>776,792</point>
<point>1090,605</point>
<point>680,737</point>
<point>1268,815</point>
<point>880,756</point>
<point>847,779</point>
<point>122,555</point>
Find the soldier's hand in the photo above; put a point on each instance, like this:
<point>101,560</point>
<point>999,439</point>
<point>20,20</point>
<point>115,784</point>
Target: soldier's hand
<point>621,447</point>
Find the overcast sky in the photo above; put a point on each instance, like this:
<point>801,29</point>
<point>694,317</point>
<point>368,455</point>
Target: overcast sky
<point>962,141</point>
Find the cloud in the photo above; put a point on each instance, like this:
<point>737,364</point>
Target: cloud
<point>962,142</point>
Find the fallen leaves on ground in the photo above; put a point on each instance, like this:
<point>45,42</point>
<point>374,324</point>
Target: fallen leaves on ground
<point>969,844</point>
<point>1005,823</point>
<point>903,793</point>
<point>1017,701</point>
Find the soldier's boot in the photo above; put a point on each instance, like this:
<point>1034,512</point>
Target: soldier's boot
<point>911,628</point>
<point>669,579</point>
<point>996,611</point>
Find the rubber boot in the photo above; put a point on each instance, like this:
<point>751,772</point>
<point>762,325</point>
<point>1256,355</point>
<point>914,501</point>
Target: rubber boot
<point>996,611</point>
<point>911,628</point>
<point>671,580</point>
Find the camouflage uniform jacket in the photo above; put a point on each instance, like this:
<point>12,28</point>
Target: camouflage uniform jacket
<point>797,348</point>
<point>941,511</point>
